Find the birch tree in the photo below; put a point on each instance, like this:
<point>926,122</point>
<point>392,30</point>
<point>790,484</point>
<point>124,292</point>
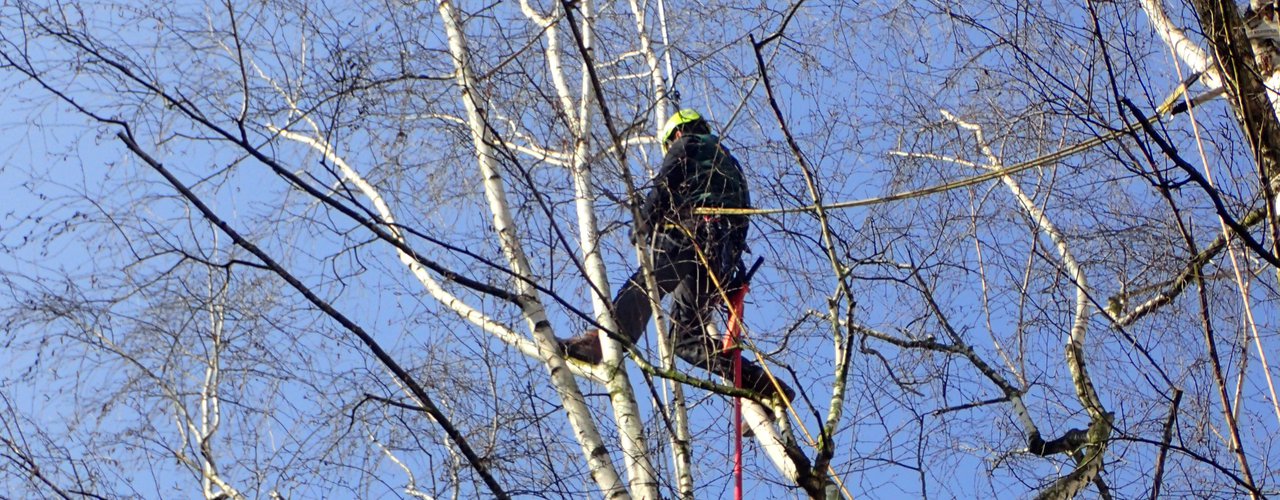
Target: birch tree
<point>296,250</point>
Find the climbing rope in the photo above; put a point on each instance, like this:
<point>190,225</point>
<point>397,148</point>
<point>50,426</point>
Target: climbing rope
<point>739,338</point>
<point>731,346</point>
<point>1171,106</point>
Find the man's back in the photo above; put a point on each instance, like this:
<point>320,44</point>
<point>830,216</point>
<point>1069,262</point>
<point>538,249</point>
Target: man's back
<point>697,171</point>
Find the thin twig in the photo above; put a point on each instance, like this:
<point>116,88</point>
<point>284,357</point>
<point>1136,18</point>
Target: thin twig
<point>374,347</point>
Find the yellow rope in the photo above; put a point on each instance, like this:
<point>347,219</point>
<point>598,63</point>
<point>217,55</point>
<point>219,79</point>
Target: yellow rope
<point>1164,108</point>
<point>969,181</point>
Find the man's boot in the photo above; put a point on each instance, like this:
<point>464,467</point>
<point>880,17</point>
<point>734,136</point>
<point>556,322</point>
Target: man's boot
<point>585,347</point>
<point>755,379</point>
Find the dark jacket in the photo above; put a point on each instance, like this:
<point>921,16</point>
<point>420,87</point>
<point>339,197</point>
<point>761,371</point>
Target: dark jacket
<point>696,172</point>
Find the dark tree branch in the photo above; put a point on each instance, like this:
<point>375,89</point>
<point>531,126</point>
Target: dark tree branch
<point>1208,461</point>
<point>816,480</point>
<point>1165,441</point>
<point>400,373</point>
<point>1215,363</point>
<point>1216,198</point>
<point>1223,27</point>
<point>184,106</point>
<point>29,466</point>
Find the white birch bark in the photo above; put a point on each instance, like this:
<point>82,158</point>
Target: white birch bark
<point>661,108</point>
<point>1264,37</point>
<point>1091,464</point>
<point>1075,343</point>
<point>641,473</point>
<point>197,430</point>
<point>211,481</point>
<point>1264,34</point>
<point>385,216</point>
<point>1197,59</point>
<point>759,419</point>
<point>593,448</point>
<point>626,412</point>
<point>680,438</point>
<point>1187,51</point>
<point>411,486</point>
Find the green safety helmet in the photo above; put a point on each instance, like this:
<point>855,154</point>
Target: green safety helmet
<point>680,118</point>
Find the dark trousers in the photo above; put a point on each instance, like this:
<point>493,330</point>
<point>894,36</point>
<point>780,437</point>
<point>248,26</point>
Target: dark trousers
<point>685,259</point>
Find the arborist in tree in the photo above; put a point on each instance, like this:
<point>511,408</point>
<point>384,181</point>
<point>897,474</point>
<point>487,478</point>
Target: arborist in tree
<point>691,253</point>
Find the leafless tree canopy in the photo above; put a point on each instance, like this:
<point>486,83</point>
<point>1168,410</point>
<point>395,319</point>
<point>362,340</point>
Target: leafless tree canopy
<point>286,249</point>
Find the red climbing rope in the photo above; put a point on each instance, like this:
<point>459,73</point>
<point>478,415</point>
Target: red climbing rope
<point>731,346</point>
<point>734,350</point>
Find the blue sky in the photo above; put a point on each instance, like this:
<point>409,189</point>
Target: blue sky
<point>855,82</point>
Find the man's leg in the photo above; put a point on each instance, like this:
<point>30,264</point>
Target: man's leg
<point>706,352</point>
<point>632,307</point>
<point>695,306</point>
